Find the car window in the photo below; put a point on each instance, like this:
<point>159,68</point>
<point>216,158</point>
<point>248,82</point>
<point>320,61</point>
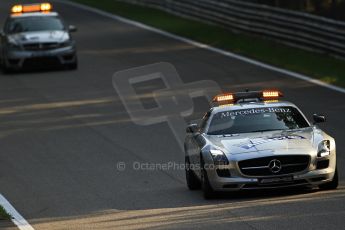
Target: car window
<point>256,120</point>
<point>32,24</point>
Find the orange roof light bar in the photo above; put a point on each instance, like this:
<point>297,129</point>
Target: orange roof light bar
<point>31,8</point>
<point>224,97</point>
<point>248,96</point>
<point>17,9</point>
<point>271,94</point>
<point>46,7</point>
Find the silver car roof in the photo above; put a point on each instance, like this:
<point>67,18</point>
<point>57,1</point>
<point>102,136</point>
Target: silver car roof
<point>251,105</point>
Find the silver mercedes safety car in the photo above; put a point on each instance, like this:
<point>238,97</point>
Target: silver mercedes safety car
<point>252,140</point>
<point>35,37</point>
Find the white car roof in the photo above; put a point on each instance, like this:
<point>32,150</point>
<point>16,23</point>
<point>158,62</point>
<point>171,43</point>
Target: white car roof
<point>24,15</point>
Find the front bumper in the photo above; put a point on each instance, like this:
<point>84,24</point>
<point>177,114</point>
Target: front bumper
<point>19,59</point>
<point>236,180</point>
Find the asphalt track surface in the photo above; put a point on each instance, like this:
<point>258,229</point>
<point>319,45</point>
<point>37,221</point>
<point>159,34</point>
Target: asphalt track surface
<point>62,134</point>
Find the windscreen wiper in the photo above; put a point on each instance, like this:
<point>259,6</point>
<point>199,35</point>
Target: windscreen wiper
<point>267,130</point>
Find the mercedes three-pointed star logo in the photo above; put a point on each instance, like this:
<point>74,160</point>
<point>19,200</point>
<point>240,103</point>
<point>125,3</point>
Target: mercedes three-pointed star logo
<point>275,166</point>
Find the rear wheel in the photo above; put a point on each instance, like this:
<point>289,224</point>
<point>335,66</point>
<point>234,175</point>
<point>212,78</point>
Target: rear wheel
<point>332,184</point>
<point>207,189</point>
<point>193,182</point>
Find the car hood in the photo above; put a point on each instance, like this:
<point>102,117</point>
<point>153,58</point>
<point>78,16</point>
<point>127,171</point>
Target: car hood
<point>262,141</point>
<point>40,37</point>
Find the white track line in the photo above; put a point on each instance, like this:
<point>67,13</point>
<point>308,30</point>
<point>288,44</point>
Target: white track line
<point>207,47</point>
<point>17,219</point>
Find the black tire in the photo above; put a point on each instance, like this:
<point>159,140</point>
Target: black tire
<point>6,70</point>
<point>193,183</point>
<point>73,66</point>
<point>207,189</point>
<point>332,184</point>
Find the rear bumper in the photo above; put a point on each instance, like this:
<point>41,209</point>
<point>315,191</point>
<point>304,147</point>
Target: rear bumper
<point>19,59</point>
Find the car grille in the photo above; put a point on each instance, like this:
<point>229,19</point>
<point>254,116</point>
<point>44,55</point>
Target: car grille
<point>41,62</point>
<point>41,46</point>
<point>275,185</point>
<point>260,166</point>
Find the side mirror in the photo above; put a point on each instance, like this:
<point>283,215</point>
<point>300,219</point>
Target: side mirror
<point>192,128</point>
<point>319,118</point>
<point>72,28</point>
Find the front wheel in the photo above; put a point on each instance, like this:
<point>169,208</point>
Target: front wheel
<point>207,189</point>
<point>332,184</point>
<point>73,66</point>
<point>193,182</point>
<point>5,69</point>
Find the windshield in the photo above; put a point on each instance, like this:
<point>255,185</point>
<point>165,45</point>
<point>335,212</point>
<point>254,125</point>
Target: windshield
<point>30,24</point>
<point>256,120</point>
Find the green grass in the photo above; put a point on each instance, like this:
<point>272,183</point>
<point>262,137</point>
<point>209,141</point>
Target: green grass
<point>317,65</point>
<point>4,215</point>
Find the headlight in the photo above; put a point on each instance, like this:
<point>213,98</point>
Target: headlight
<point>324,148</point>
<point>13,44</point>
<point>219,157</point>
<point>66,43</point>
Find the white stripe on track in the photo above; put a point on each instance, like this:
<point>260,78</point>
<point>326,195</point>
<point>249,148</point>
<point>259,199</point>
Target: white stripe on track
<point>17,219</point>
<point>207,47</point>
